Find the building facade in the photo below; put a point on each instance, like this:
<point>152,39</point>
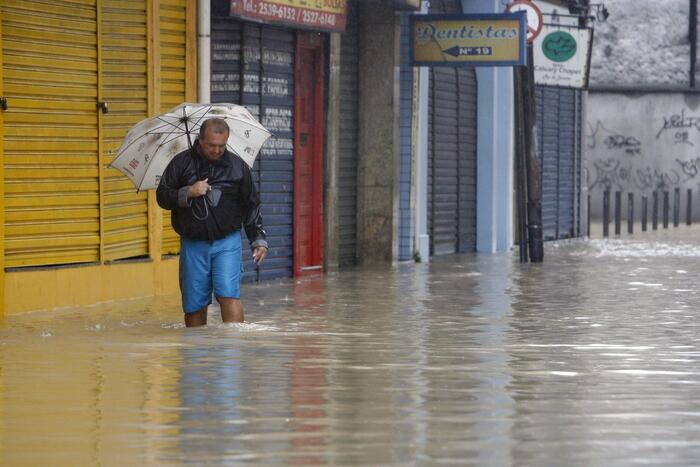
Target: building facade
<point>371,160</point>
<point>641,133</point>
<point>73,78</point>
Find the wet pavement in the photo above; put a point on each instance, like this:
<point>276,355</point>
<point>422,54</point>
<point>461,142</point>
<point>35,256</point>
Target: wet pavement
<point>592,358</point>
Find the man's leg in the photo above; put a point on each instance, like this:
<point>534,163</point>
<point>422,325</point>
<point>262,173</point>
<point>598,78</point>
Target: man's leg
<point>226,275</point>
<point>231,310</point>
<point>195,282</point>
<point>196,318</point>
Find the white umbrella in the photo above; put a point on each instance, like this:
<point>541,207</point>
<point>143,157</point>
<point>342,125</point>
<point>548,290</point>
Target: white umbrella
<point>151,144</point>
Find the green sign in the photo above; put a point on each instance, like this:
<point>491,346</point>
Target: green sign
<point>559,46</point>
<point>562,56</point>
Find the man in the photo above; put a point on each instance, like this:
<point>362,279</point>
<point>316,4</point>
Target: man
<point>211,196</point>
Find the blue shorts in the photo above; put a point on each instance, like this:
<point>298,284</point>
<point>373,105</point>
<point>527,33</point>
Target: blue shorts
<point>204,266</point>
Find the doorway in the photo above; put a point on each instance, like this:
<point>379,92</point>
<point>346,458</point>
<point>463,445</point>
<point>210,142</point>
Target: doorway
<point>308,154</point>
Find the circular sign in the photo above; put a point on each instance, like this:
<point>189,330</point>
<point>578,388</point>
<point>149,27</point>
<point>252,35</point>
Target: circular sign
<point>534,16</point>
<point>559,46</point>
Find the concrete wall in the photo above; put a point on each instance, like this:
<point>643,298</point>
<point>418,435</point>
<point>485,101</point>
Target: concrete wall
<point>641,142</point>
<point>378,133</point>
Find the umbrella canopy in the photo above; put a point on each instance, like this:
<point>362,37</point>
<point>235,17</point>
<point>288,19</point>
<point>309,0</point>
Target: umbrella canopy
<point>151,144</point>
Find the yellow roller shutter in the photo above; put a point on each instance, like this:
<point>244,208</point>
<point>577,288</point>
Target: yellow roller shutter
<point>124,88</point>
<point>173,21</point>
<point>49,52</point>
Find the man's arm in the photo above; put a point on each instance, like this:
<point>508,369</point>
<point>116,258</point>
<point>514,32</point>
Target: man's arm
<point>252,219</point>
<point>171,195</point>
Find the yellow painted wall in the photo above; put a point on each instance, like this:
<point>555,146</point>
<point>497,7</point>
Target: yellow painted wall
<point>52,288</point>
<point>64,217</point>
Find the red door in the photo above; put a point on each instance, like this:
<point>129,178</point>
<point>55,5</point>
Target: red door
<point>308,154</point>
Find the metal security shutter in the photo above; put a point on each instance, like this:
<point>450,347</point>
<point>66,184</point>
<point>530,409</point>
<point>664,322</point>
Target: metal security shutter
<point>444,176</point>
<point>124,88</point>
<point>276,160</point>
<point>467,90</point>
<point>49,54</point>
<point>558,121</point>
<point>173,24</point>
<point>452,153</point>
<point>347,179</point>
<point>262,79</point>
<point>568,138</point>
<point>405,149</point>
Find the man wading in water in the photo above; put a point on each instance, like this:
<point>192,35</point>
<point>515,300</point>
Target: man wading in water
<point>211,196</point>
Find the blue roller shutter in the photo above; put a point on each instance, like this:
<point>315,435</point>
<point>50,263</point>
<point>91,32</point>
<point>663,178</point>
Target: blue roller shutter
<point>253,65</point>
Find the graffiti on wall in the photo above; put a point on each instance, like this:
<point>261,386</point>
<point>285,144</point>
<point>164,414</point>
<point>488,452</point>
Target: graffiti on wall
<point>613,140</point>
<point>690,168</point>
<point>627,159</point>
<point>642,143</point>
<point>679,124</point>
<point>608,175</point>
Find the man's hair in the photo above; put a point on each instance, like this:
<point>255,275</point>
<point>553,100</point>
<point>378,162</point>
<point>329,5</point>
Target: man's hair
<point>214,125</point>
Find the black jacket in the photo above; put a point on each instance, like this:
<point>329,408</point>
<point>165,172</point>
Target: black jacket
<point>206,217</point>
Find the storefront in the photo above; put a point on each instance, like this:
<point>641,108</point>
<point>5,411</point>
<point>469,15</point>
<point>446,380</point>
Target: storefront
<point>452,153</point>
<point>559,123</point>
<point>74,77</point>
<point>559,95</point>
<point>277,69</point>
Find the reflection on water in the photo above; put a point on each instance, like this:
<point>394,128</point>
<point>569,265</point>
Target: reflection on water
<point>590,359</point>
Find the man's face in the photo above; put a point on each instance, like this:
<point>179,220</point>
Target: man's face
<point>212,145</point>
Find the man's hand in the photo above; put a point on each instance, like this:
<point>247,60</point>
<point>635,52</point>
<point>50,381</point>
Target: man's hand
<point>199,188</point>
<point>259,254</point>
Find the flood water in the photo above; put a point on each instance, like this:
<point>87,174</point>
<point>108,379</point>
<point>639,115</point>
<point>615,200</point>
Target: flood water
<point>592,359</point>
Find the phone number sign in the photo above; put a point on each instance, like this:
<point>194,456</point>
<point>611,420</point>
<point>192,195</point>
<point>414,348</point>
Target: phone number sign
<point>329,15</point>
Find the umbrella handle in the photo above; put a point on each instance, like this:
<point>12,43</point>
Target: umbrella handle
<point>187,130</point>
<point>206,208</point>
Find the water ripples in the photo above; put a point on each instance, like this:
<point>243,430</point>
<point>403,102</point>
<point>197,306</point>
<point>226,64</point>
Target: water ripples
<point>592,358</point>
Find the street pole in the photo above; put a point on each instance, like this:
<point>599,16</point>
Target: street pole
<point>532,162</point>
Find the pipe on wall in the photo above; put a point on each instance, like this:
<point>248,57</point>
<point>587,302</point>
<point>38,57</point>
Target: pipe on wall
<point>204,50</point>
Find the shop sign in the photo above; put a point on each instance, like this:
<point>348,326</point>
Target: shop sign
<point>329,15</point>
<point>562,56</point>
<point>470,40</point>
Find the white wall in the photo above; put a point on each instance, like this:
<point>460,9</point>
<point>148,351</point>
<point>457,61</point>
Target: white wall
<point>640,143</point>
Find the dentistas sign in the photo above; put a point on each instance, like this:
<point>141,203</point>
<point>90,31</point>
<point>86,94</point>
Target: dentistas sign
<point>327,15</point>
<point>470,40</point>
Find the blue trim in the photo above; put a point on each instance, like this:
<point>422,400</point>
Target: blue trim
<point>520,16</point>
